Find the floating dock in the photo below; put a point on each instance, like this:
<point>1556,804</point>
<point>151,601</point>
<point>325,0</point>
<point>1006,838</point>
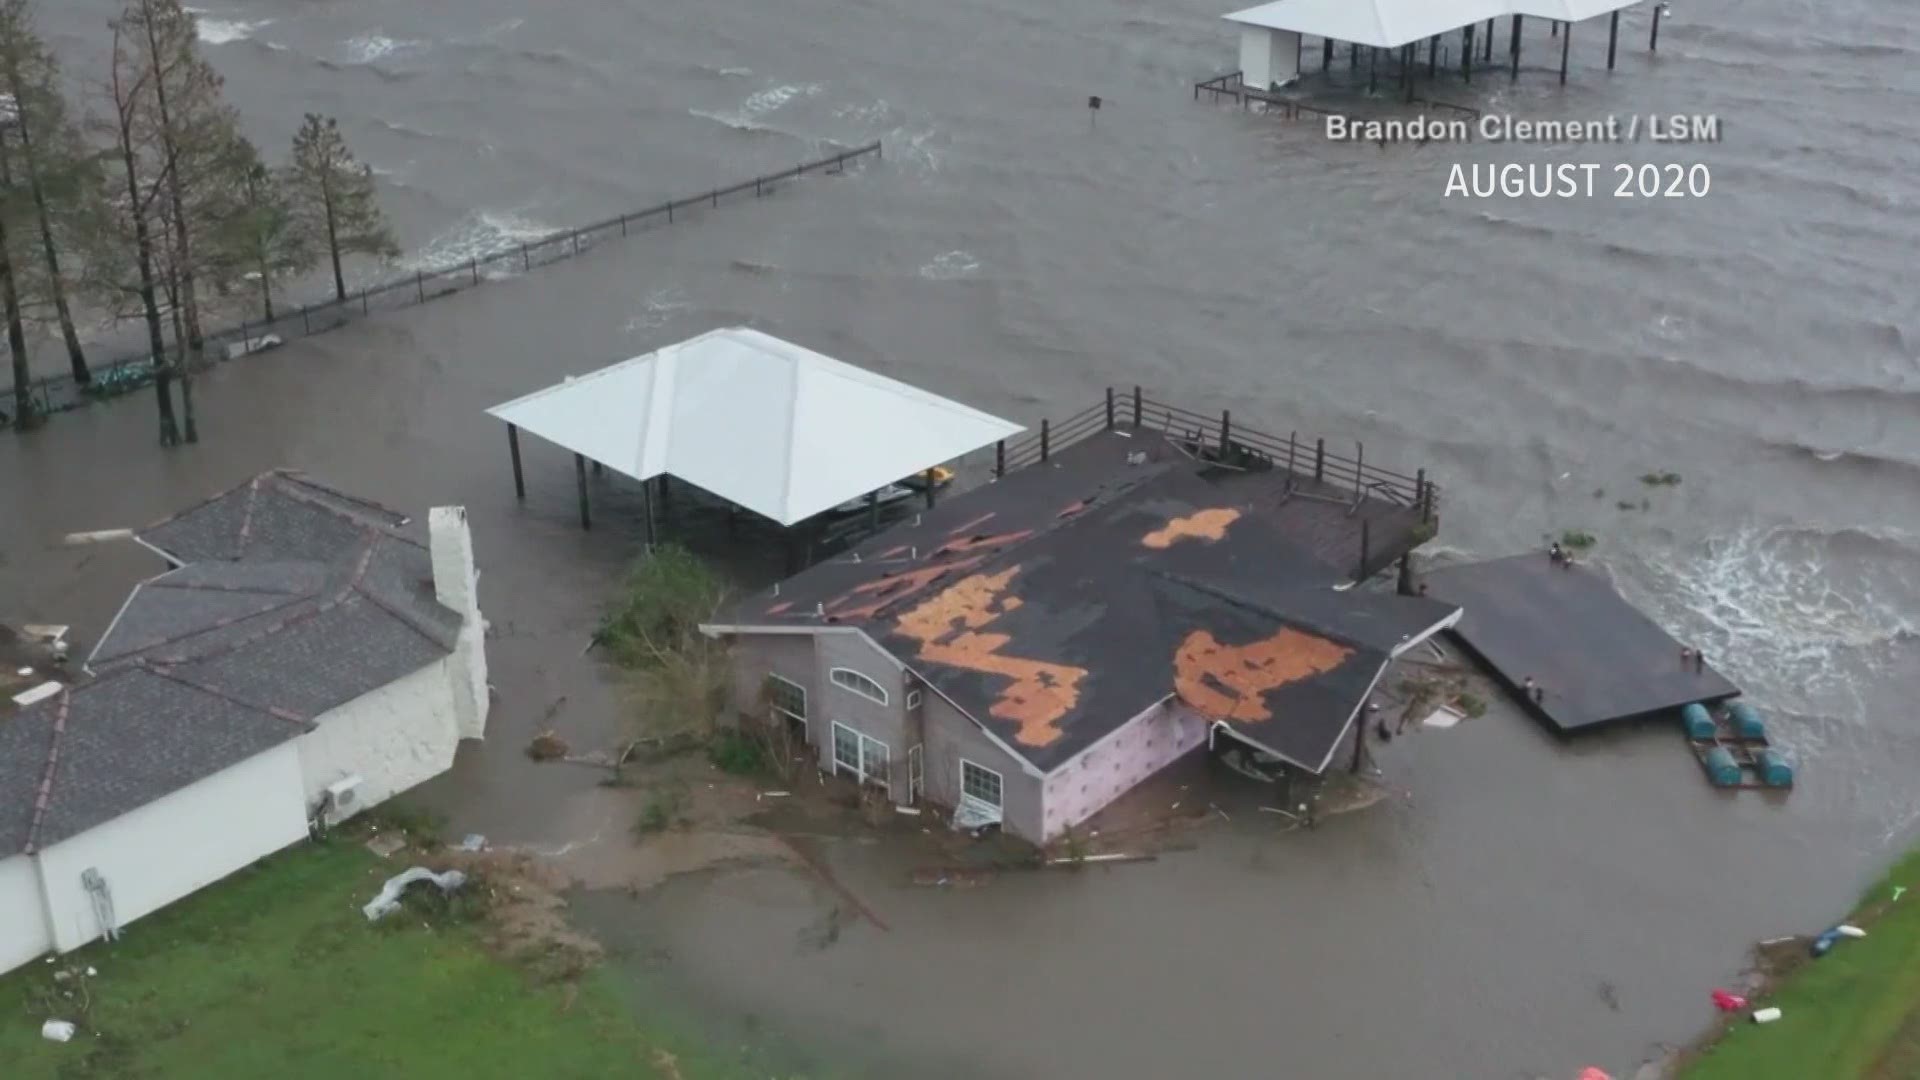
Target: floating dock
<point>1596,659</point>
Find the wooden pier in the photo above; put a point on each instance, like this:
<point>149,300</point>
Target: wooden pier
<point>1562,641</point>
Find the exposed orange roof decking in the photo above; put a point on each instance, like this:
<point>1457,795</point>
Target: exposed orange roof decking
<point>1199,525</point>
<point>1229,681</point>
<point>1042,693</point>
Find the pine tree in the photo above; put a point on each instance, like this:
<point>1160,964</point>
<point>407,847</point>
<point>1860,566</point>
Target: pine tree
<point>334,196</point>
<point>262,240</point>
<point>56,163</point>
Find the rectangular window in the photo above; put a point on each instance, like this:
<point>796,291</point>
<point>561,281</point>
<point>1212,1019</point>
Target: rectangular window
<point>853,682</point>
<point>787,698</point>
<point>856,755</point>
<point>913,699</point>
<point>980,783</point>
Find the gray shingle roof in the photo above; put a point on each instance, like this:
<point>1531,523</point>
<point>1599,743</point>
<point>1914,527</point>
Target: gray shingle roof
<point>293,599</point>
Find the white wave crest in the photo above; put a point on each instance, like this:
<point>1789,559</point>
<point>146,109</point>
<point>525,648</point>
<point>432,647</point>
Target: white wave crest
<point>950,265</point>
<point>759,104</point>
<point>226,31</point>
<point>661,307</point>
<point>368,48</point>
<point>1777,613</point>
<point>487,232</point>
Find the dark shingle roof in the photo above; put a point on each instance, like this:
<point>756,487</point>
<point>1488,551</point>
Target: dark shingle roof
<point>1053,608</point>
<point>293,599</point>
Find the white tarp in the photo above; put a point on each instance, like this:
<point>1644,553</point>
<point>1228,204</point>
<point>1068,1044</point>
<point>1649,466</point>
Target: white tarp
<point>763,423</point>
<point>1389,24</point>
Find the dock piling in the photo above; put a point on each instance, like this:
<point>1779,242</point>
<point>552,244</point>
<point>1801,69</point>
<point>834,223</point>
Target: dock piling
<point>1653,37</point>
<point>928,478</point>
<point>1513,46</point>
<point>1136,404</point>
<point>1319,459</point>
<point>1045,429</point>
<point>1326,54</point>
<point>1226,430</point>
<point>1373,69</point>
<point>513,447</point>
<point>1433,57</point>
<point>580,482</point>
<point>1613,38</point>
<point>1487,46</point>
<point>1466,52</point>
<point>1566,45</point>
<point>1109,408</point>
<point>999,459</point>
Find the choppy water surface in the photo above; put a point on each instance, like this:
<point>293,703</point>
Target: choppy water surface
<point>1525,908</point>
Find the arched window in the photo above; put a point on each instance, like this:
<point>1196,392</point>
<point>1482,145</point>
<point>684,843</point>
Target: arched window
<point>854,682</point>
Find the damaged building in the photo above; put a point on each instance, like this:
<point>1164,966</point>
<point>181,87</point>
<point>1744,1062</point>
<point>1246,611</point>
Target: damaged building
<point>1029,651</point>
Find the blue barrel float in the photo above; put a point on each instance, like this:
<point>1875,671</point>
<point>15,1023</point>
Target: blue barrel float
<point>1774,768</point>
<point>1746,721</point>
<point>1722,770</point>
<point>1697,722</point>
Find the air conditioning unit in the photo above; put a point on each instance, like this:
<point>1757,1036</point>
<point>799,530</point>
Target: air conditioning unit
<point>342,800</point>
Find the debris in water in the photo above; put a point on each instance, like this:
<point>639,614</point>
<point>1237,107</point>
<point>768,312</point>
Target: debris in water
<point>1849,930</point>
<point>547,746</point>
<point>387,845</point>
<point>1897,890</point>
<point>473,842</point>
<point>1766,1016</point>
<point>57,1030</point>
<point>1727,1000</point>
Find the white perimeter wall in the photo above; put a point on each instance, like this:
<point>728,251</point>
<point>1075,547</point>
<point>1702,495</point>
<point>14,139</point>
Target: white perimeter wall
<point>23,922</point>
<point>392,738</point>
<point>175,845</point>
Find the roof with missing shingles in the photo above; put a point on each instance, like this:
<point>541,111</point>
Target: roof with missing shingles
<point>293,599</point>
<point>1052,607</point>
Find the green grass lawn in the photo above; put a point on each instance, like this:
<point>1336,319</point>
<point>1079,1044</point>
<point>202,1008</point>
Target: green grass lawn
<point>1853,1013</point>
<point>276,973</point>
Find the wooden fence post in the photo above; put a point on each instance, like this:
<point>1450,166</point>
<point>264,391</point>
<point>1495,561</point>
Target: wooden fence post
<point>1136,404</point>
<point>1226,431</point>
<point>999,459</point>
<point>1109,408</point>
<point>1359,468</point>
<point>1044,429</point>
<point>473,267</point>
<point>1319,459</point>
<point>1420,492</point>
<point>1290,447</point>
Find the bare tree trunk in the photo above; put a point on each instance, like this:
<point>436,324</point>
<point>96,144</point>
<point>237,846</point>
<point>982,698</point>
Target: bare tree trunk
<point>180,344</point>
<point>183,257</point>
<point>16,332</point>
<point>333,239</point>
<point>76,356</point>
<point>149,298</point>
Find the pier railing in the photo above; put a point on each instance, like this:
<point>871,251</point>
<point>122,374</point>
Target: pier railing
<point>127,373</point>
<point>1230,86</point>
<point>1303,458</point>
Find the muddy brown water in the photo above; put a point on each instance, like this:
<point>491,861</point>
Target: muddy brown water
<point>1521,908</point>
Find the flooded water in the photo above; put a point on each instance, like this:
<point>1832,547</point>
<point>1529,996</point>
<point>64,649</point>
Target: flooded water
<point>1531,908</point>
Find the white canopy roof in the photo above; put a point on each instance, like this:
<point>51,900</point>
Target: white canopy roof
<point>1389,24</point>
<point>763,423</point>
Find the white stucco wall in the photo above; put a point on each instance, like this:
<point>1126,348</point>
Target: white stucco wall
<point>392,738</point>
<point>175,845</point>
<point>23,922</point>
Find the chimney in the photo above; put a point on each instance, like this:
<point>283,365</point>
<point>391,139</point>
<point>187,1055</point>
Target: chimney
<point>456,586</point>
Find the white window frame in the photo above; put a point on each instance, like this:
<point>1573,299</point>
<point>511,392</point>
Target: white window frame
<point>774,676</point>
<point>965,795</point>
<point>858,684</point>
<point>916,773</point>
<point>863,741</point>
<point>913,699</point>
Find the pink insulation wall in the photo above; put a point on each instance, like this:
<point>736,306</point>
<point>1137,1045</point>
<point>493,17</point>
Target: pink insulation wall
<point>1111,767</point>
